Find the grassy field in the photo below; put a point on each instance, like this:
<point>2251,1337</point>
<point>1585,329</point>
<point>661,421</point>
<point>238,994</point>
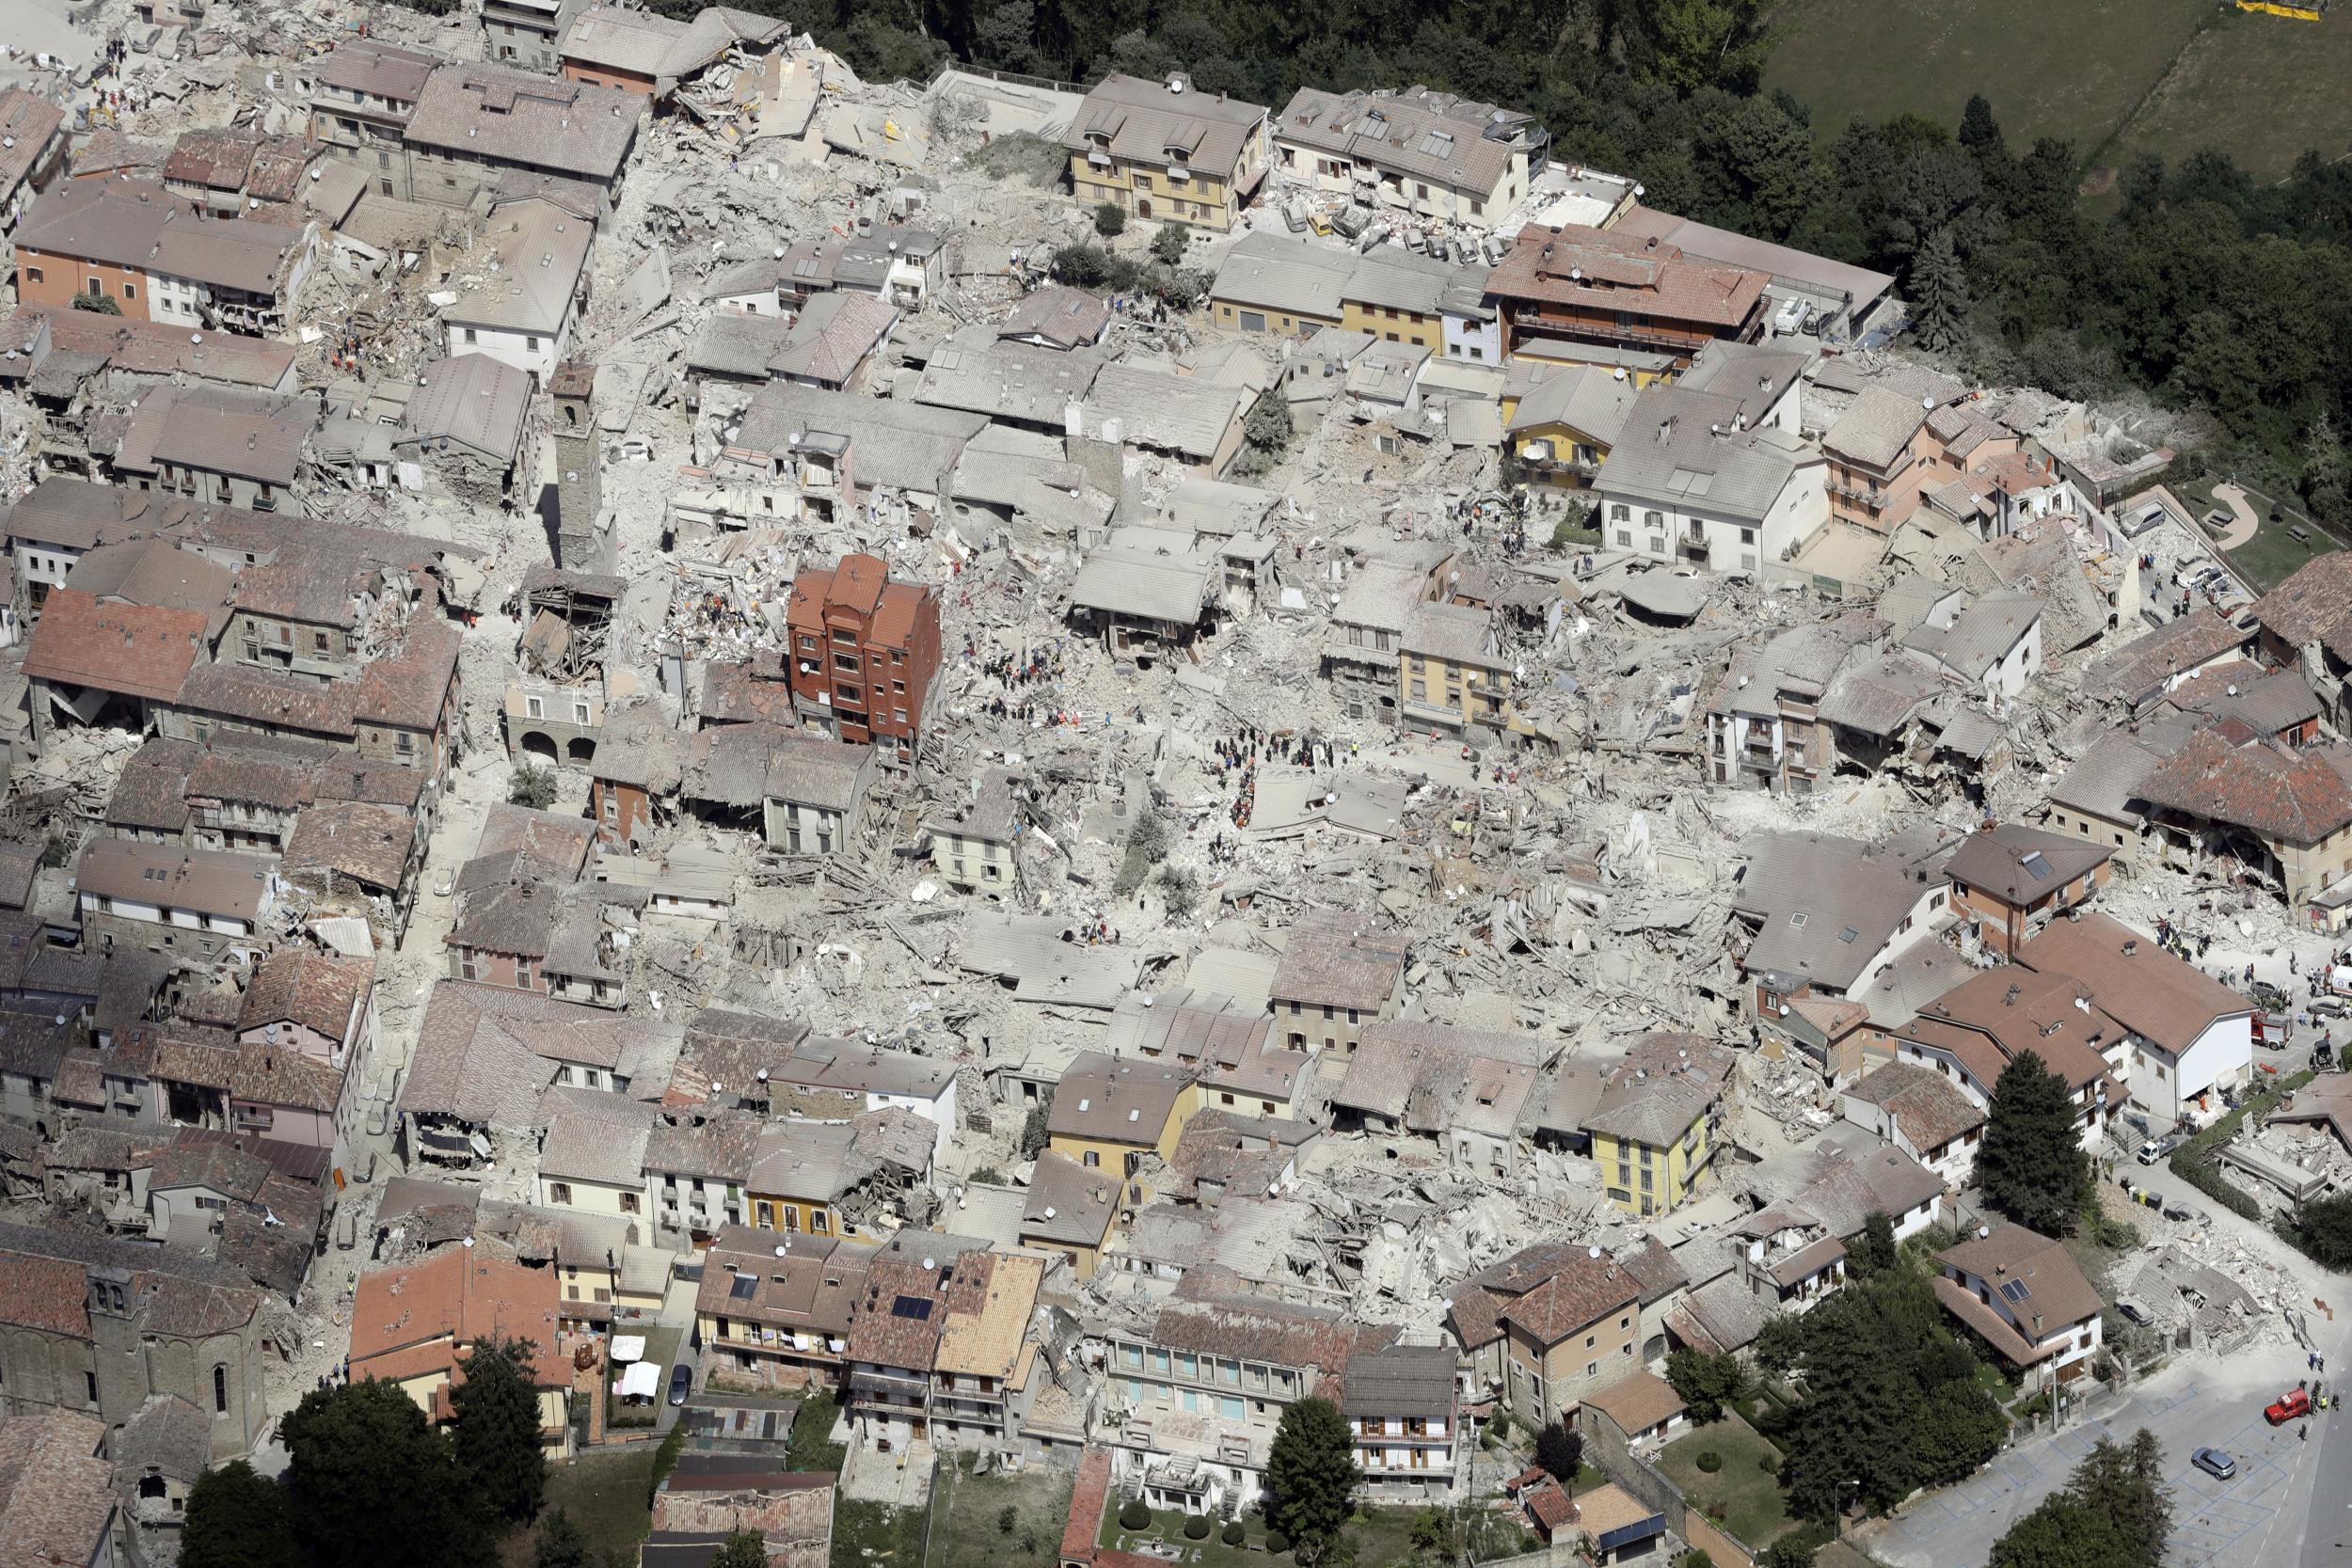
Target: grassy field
<point>1743,1495</point>
<point>604,1492</point>
<point>872,1535</point>
<point>1378,1536</point>
<point>971,1514</point>
<point>2274,553</point>
<point>2262,89</point>
<point>2115,77</point>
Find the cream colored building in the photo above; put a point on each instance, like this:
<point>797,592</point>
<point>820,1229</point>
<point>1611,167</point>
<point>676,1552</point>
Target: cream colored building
<point>1161,151</point>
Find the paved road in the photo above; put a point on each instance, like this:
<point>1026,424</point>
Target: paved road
<point>2265,1513</point>
<point>2243,523</point>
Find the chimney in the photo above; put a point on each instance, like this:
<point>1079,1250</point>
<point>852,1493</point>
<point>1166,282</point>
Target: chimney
<point>2131,948</point>
<point>2010,1000</point>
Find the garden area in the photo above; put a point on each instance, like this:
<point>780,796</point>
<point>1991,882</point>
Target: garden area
<point>1373,1537</point>
<point>1002,1519</point>
<point>1729,1472</point>
<point>606,1494</point>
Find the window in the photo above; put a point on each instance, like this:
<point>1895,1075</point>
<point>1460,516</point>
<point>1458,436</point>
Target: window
<point>1093,1159</point>
<point>531,345</point>
<point>628,1203</point>
<point>90,1387</point>
<point>130,290</point>
<point>95,288</point>
<point>34,274</point>
<point>559,1192</point>
<point>220,1390</point>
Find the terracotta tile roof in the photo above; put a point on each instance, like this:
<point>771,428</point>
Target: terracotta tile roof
<point>133,650</point>
<point>1637,1402</point>
<point>309,989</point>
<point>407,689</point>
<point>216,881</point>
<point>1614,274</point>
<point>2052,1283</point>
<point>56,1495</point>
<point>411,1321</point>
<point>1581,1290</point>
<point>2269,789</point>
<point>2313,604</point>
<point>1263,1329</point>
<point>1926,1108</point>
<point>2145,989</point>
<point>1087,1502</point>
<point>369,844</point>
<point>897,1322</point>
<point>988,1315</point>
<point>816,1284</point>
<point>262,697</point>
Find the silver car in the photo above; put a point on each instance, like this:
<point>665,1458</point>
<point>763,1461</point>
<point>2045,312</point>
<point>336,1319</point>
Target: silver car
<point>2215,1463</point>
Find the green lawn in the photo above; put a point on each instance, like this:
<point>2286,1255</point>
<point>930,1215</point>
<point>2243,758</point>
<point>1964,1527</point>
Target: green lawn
<point>811,1448</point>
<point>2115,77</point>
<point>1743,1495</point>
<point>605,1491</point>
<point>870,1534</point>
<point>1379,1536</point>
<point>661,1350</point>
<point>971,1524</point>
<point>2073,71</point>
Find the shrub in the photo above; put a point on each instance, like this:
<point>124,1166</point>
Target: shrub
<point>1234,1534</point>
<point>1006,1518</point>
<point>1709,1461</point>
<point>1170,243</point>
<point>1134,1514</point>
<point>1197,1527</point>
<point>1180,886</point>
<point>1110,220</point>
<point>1768,1463</point>
<point>1276,1543</point>
<point>1694,1558</point>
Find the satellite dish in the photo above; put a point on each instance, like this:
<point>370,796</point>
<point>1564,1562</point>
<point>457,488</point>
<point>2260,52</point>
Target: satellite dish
<point>1593,1253</point>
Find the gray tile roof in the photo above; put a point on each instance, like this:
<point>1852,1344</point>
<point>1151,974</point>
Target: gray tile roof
<point>541,251</point>
<point>491,114</point>
<point>1876,428</point>
<point>1980,636</point>
<point>1179,414</point>
<point>471,400</point>
<point>1827,904</point>
<point>1668,452</point>
<point>1145,121</point>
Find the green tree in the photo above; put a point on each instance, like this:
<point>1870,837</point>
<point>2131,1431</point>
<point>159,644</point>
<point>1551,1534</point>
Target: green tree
<point>2114,1511</point>
<point>1690,44</point>
<point>375,1486</point>
<point>531,785</point>
<point>745,1549</point>
<point>1267,431</point>
<point>1170,245</point>
<point>238,1518</point>
<point>1110,220</point>
<point>2327,479</point>
<point>497,1426</point>
<point>1706,1382</point>
<point>1007,37</point>
<point>1939,290</point>
<point>1874,1250</point>
<point>1979,132</point>
<point>97,304</point>
<point>2323,1229</point>
<point>561,1543</point>
<point>1560,1450</point>
<point>1311,1469</point>
<point>1034,1133</point>
<point>2031,1167</point>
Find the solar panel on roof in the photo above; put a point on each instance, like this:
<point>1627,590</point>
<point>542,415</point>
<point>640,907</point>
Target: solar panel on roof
<point>918,1308</point>
<point>743,1287</point>
<point>2039,867</point>
<point>2014,1290</point>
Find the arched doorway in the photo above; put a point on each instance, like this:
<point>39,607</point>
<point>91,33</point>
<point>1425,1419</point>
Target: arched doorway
<point>581,749</point>
<point>537,745</point>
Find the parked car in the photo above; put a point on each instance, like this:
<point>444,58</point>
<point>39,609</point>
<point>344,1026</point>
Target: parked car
<point>681,1383</point>
<point>2215,1463</point>
<point>2269,998</point>
<point>2182,1213</point>
<point>2293,1405</point>
<point>2135,1312</point>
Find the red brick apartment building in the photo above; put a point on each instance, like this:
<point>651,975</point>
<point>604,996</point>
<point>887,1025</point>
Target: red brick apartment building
<point>864,653</point>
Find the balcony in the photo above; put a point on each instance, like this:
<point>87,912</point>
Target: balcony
<point>891,1384</point>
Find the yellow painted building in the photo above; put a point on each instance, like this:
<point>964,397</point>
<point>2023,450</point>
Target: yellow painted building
<point>1451,675</point>
<point>1562,429</point>
<point>796,1178</point>
<point>1109,1114</point>
<point>1652,1136</point>
<point>1161,151</point>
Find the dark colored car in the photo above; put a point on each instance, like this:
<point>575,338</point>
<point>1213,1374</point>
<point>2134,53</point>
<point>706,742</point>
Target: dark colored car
<point>681,1383</point>
<point>2215,1463</point>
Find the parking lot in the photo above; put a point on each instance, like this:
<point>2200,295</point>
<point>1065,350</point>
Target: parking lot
<point>2258,1516</point>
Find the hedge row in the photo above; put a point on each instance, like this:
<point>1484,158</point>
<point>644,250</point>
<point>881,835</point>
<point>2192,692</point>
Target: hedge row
<point>2198,1162</point>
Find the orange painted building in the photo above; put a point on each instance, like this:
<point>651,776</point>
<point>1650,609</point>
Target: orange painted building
<point>603,76</point>
<point>46,277</point>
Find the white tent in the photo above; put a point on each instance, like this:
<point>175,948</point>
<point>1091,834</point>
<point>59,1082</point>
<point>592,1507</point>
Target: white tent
<point>642,1381</point>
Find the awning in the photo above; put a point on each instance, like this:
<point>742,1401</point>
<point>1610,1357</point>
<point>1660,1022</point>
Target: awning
<point>642,1381</point>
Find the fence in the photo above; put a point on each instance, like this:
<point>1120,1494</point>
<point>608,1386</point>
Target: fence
<point>1013,78</point>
